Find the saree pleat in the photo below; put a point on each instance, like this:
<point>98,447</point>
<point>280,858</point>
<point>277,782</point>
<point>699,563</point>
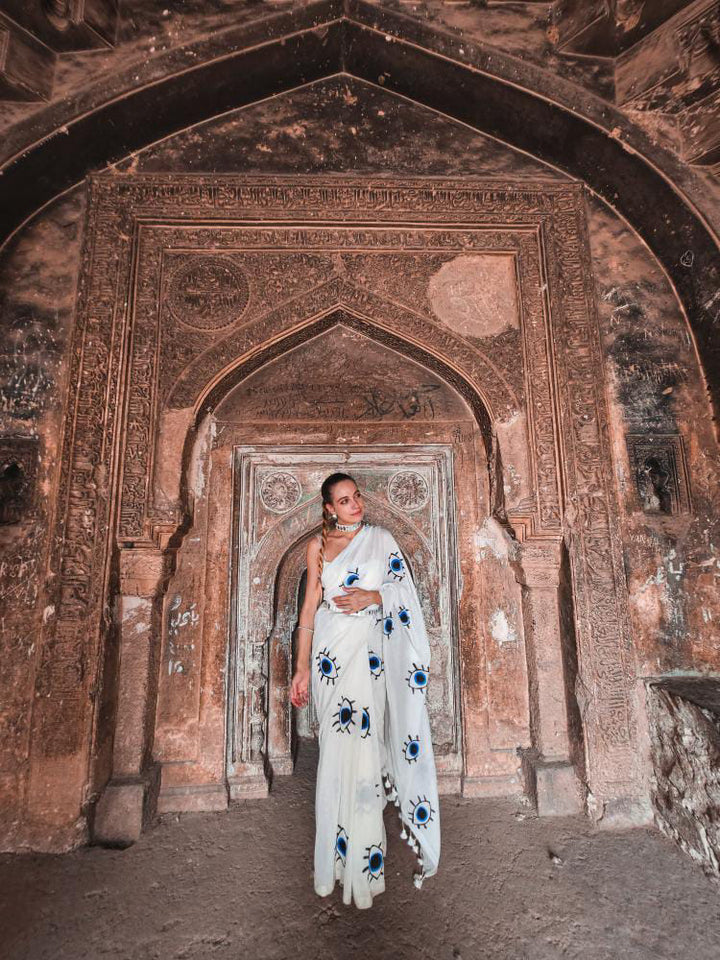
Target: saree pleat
<point>370,673</point>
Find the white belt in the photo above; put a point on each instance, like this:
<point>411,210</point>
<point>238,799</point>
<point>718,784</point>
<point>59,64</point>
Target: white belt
<point>375,608</point>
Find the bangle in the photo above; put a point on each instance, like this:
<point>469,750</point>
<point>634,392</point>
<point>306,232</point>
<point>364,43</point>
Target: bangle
<point>301,627</point>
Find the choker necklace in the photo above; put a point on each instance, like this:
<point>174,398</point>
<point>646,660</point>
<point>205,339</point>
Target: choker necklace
<point>348,527</point>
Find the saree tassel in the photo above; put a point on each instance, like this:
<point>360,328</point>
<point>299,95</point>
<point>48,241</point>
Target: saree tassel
<point>403,834</point>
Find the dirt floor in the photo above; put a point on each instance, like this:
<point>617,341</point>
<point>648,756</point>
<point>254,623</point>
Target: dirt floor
<point>239,885</point>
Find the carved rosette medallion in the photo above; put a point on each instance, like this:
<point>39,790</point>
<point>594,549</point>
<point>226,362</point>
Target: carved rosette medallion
<point>207,293</point>
<point>280,492</point>
<point>408,490</point>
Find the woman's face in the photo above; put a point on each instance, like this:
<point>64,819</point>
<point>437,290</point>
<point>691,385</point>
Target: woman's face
<point>347,502</point>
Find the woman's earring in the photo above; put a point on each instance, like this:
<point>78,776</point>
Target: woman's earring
<point>333,516</point>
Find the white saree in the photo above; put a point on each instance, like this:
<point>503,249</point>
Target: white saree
<point>370,674</point>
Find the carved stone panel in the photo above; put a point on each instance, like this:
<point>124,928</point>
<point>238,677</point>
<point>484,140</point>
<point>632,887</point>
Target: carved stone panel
<point>342,374</point>
<point>139,223</point>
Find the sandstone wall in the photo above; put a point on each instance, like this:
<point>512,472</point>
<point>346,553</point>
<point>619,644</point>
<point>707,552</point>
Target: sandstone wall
<point>654,383</point>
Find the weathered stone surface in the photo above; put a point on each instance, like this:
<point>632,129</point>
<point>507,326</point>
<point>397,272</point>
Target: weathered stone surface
<point>27,66</point>
<point>336,125</point>
<point>38,277</point>
<point>476,296</point>
<point>506,95</point>
<point>658,399</point>
<point>342,375</point>
<point>685,740</point>
<point>609,763</point>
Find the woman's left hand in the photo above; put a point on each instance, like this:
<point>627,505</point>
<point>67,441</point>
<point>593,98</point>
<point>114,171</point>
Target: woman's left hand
<point>355,599</point>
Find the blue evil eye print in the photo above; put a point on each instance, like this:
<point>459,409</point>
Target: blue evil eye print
<point>376,664</point>
<point>411,749</point>
<point>327,666</point>
<point>421,811</point>
<point>344,716</point>
<point>341,844</point>
<point>404,616</point>
<point>387,624</point>
<point>375,861</point>
<point>365,723</point>
<point>350,578</point>
<point>417,678</point>
<point>396,566</point>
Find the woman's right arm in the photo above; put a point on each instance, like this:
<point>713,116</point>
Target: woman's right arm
<point>313,596</point>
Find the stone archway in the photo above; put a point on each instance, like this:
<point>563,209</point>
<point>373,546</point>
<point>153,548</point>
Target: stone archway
<point>259,456</point>
<point>550,421</point>
<point>479,86</point>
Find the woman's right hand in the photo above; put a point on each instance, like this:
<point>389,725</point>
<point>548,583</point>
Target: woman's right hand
<point>299,687</point>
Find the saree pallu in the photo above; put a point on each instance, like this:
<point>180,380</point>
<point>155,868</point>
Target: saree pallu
<point>369,676</point>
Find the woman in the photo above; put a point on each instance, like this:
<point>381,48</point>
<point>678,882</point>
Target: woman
<point>365,650</point>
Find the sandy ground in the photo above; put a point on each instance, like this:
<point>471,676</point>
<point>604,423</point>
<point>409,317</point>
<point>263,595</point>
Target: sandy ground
<point>239,885</point>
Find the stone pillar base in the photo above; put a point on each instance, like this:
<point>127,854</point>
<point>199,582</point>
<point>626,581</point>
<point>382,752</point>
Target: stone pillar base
<point>253,787</point>
<point>123,811</point>
<point>193,798</point>
<point>282,766</point>
<point>556,788</point>
<point>504,787</point>
<point>622,813</point>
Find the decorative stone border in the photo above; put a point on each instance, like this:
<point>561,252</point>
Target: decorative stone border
<point>110,429</point>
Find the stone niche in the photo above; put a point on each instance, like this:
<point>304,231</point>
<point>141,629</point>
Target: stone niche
<point>18,481</point>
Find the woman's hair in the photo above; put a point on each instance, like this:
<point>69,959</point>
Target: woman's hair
<point>326,497</point>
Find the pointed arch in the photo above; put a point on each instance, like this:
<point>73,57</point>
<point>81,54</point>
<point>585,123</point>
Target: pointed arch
<point>487,394</point>
<point>209,378</point>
